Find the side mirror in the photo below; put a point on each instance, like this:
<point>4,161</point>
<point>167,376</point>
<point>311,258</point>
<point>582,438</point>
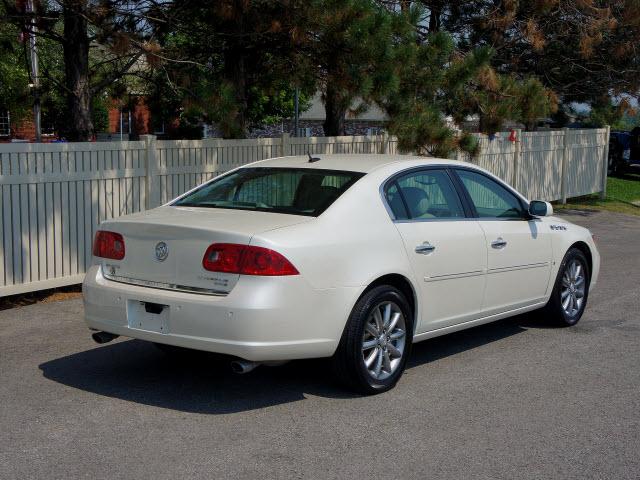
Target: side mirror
<point>538,208</point>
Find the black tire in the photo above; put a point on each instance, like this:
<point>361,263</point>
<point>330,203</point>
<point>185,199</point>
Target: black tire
<point>556,313</point>
<point>348,361</point>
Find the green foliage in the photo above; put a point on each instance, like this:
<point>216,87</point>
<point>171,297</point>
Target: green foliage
<point>354,52</point>
<point>238,61</point>
<point>469,144</point>
<point>14,77</point>
<point>628,122</point>
<point>271,106</point>
<point>100,113</point>
<point>583,50</point>
<point>619,115</point>
<point>535,102</point>
<point>434,82</point>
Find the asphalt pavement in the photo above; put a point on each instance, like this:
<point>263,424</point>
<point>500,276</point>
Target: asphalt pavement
<point>513,399</point>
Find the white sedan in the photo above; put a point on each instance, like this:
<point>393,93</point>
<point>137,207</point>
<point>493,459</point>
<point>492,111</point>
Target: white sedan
<point>353,257</point>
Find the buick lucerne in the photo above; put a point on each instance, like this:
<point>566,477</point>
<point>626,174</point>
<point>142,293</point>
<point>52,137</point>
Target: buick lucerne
<point>353,257</point>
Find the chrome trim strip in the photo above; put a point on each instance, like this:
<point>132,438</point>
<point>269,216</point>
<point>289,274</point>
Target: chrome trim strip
<point>438,219</point>
<point>164,286</point>
<point>475,273</point>
<point>518,267</point>
<point>450,276</point>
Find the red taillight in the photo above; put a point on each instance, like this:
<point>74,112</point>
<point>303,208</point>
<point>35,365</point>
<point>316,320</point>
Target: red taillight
<point>247,260</point>
<point>108,245</point>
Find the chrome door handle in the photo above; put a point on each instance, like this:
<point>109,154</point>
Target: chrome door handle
<point>425,248</point>
<point>499,243</point>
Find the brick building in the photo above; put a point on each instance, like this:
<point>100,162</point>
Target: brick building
<point>23,130</point>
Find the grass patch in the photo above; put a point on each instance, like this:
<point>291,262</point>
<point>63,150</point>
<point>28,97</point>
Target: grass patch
<point>625,188</point>
<point>623,196</point>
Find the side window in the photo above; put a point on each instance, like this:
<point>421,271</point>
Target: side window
<point>395,202</point>
<point>427,194</point>
<point>490,199</point>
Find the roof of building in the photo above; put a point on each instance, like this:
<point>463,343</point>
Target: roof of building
<point>316,111</point>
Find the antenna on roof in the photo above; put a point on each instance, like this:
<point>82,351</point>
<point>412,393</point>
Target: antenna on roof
<point>313,159</point>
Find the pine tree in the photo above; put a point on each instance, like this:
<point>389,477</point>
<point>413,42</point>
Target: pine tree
<point>352,51</point>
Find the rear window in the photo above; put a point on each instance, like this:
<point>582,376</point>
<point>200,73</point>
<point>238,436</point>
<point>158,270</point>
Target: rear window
<point>297,191</point>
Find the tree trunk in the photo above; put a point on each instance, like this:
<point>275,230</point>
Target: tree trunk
<point>76,68</point>
<point>435,11</point>
<point>235,74</point>
<point>335,112</point>
<point>235,58</point>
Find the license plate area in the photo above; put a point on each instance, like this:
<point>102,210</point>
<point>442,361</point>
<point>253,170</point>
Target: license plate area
<point>148,316</point>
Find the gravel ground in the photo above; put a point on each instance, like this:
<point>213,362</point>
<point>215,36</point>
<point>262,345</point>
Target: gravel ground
<point>506,400</point>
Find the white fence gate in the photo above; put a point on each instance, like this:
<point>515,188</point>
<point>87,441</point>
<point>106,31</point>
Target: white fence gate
<point>53,196</point>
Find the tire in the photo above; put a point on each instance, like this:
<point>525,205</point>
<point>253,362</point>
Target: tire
<point>380,352</point>
<point>566,306</point>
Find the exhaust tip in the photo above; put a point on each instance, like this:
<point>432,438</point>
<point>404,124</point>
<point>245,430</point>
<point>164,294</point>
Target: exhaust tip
<point>243,366</point>
<point>103,337</point>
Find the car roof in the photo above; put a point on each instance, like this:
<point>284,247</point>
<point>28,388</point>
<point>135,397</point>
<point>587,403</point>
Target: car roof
<point>362,162</point>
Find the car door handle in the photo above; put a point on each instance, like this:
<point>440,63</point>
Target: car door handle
<point>425,248</point>
<point>499,243</point>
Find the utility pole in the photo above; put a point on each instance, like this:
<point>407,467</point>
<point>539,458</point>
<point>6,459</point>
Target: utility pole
<point>35,76</point>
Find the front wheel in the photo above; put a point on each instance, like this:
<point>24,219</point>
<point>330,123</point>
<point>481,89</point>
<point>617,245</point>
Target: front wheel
<point>376,342</point>
<point>571,290</point>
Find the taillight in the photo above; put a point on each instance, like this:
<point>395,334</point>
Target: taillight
<point>108,245</point>
<point>246,260</point>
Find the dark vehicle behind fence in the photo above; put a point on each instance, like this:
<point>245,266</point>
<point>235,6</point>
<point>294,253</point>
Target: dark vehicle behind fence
<point>624,151</point>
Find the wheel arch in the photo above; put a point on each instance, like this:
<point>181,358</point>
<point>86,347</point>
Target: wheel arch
<point>403,284</point>
<point>584,248</point>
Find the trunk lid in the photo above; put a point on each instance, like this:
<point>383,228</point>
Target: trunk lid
<point>164,246</point>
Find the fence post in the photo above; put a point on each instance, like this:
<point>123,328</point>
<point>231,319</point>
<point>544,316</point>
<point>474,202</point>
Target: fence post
<point>517,152</point>
<point>605,163</point>
<point>385,140</point>
<point>285,144</point>
<point>564,159</point>
<point>152,188</point>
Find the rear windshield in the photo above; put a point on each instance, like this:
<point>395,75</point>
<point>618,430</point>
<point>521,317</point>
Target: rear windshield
<point>297,191</point>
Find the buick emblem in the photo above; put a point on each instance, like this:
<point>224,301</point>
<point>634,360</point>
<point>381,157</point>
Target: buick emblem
<point>162,251</point>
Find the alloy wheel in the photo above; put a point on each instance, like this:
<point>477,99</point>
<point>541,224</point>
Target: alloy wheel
<point>572,291</point>
<point>383,340</point>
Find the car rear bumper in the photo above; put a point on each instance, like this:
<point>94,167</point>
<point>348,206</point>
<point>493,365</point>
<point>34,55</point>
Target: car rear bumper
<point>262,319</point>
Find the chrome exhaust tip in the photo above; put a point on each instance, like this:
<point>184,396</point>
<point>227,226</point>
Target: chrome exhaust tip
<point>243,366</point>
<point>103,337</point>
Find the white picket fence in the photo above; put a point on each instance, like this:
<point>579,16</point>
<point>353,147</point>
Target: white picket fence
<point>53,196</point>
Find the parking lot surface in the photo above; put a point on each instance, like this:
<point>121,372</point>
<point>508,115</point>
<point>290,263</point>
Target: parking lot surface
<point>513,399</point>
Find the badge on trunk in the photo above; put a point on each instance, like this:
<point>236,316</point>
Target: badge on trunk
<point>162,251</point>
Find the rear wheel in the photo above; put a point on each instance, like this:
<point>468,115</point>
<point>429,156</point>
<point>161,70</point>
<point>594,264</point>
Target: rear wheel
<point>571,290</point>
<point>376,342</point>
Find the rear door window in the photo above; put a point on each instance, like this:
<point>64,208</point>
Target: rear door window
<point>423,195</point>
